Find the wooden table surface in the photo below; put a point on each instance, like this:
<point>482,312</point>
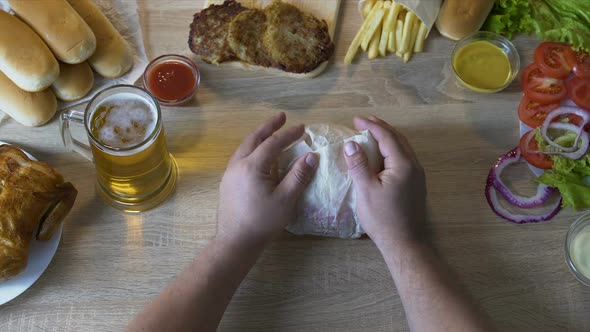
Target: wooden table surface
<point>109,263</point>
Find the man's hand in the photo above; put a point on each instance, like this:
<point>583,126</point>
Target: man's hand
<point>391,207</point>
<point>253,205</point>
<point>391,204</point>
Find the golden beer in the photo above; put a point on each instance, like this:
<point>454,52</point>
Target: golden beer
<point>135,172</point>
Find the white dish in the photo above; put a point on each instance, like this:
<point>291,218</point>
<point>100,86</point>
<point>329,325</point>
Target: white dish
<point>523,130</point>
<point>40,255</point>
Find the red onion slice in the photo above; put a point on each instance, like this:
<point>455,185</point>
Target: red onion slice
<point>494,203</point>
<point>512,157</point>
<point>579,149</point>
<point>564,110</point>
<point>575,154</point>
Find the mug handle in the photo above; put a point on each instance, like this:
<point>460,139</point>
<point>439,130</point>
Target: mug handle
<point>69,141</point>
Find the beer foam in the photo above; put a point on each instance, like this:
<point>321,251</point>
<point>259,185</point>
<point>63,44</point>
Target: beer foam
<point>124,120</point>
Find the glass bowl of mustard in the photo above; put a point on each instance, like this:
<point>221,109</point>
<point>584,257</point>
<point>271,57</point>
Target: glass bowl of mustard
<point>485,62</point>
<point>577,249</point>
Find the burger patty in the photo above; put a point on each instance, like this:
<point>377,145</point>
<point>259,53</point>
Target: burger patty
<point>209,30</point>
<point>280,36</point>
<point>295,41</point>
<point>245,37</point>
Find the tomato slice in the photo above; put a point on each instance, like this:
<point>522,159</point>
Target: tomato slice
<point>550,57</point>
<point>533,113</point>
<point>577,120</point>
<point>538,160</point>
<point>579,91</point>
<point>579,61</point>
<point>540,87</point>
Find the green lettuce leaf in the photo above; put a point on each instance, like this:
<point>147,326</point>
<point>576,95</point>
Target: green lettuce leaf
<point>509,17</point>
<point>571,177</point>
<point>572,186</point>
<point>566,21</point>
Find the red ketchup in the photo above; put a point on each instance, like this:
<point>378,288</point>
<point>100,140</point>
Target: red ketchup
<point>172,82</point>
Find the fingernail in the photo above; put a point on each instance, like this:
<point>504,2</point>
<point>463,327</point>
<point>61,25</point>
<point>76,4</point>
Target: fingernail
<point>311,160</point>
<point>350,148</point>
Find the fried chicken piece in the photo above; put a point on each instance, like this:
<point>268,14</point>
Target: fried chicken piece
<point>209,30</point>
<point>245,37</point>
<point>34,200</point>
<point>295,41</point>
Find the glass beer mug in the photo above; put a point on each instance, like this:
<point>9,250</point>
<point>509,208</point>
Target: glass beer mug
<point>135,172</point>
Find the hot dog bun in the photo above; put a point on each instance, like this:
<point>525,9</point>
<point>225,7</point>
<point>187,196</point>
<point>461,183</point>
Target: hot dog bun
<point>459,18</point>
<point>74,81</point>
<point>58,24</point>
<point>29,108</point>
<point>24,57</point>
<point>113,56</point>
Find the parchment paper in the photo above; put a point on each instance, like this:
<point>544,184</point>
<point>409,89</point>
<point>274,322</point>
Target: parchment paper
<point>124,16</point>
<point>328,205</point>
<point>426,10</point>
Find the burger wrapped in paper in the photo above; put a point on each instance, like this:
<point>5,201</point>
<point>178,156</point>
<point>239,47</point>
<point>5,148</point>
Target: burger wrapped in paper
<point>328,206</point>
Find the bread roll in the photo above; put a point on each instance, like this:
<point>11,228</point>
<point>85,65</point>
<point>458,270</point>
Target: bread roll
<point>459,18</point>
<point>24,57</point>
<point>58,24</point>
<point>74,81</point>
<point>29,108</point>
<point>113,56</point>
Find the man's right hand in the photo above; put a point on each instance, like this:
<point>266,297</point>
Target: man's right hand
<point>391,204</point>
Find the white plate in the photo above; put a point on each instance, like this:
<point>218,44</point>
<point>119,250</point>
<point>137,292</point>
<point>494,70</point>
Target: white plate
<point>40,255</point>
<point>523,130</point>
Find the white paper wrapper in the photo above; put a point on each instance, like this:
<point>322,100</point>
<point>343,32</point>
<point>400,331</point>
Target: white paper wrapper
<point>124,16</point>
<point>426,10</point>
<point>328,206</point>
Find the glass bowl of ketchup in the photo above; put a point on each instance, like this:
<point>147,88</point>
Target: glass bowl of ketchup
<point>172,79</point>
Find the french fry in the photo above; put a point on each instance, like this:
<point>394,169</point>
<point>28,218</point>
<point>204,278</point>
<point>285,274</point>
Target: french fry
<point>374,23</point>
<point>414,35</point>
<point>419,47</point>
<point>384,34</point>
<point>391,18</point>
<point>389,25</point>
<point>353,48</point>
<point>398,37</point>
<point>374,43</point>
<point>407,32</point>
<point>406,56</point>
<point>388,28</point>
<point>391,42</point>
<point>367,6</point>
<point>356,42</point>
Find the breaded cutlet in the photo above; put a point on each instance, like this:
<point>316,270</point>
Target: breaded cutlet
<point>295,41</point>
<point>209,30</point>
<point>245,37</point>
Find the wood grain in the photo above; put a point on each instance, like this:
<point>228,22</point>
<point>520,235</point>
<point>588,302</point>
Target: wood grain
<point>109,264</point>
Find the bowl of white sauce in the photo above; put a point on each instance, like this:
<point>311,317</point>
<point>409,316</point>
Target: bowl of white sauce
<point>577,249</point>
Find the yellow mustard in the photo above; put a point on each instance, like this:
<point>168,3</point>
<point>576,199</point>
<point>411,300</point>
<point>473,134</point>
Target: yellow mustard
<point>482,66</point>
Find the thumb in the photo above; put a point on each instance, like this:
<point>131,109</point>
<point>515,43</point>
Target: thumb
<point>358,164</point>
<point>299,176</point>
